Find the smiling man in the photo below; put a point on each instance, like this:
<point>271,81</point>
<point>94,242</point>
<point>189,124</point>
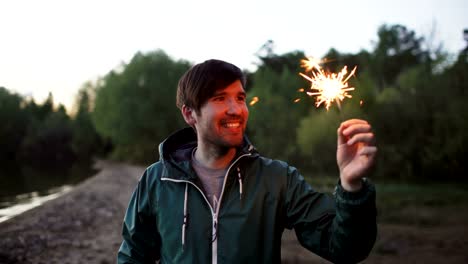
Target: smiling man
<point>220,124</point>
<point>213,198</point>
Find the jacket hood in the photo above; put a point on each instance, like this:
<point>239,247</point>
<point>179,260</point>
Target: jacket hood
<point>176,150</point>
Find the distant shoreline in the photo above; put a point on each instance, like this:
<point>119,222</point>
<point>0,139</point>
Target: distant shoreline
<point>17,209</point>
<point>81,226</point>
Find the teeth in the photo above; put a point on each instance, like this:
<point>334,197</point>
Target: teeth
<point>232,125</point>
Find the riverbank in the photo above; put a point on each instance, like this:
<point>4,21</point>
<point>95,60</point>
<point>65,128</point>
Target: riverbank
<point>84,225</point>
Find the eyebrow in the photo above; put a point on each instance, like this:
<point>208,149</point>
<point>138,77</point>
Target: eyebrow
<point>242,93</point>
<point>224,93</point>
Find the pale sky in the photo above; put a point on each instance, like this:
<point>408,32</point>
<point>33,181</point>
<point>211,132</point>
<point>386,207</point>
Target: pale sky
<point>56,46</point>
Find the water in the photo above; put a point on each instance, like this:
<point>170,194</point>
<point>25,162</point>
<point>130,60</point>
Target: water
<point>23,187</point>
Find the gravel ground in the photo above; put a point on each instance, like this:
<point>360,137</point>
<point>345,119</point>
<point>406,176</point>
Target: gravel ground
<point>82,226</point>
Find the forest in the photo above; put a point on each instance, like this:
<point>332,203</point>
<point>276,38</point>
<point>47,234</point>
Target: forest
<point>412,91</point>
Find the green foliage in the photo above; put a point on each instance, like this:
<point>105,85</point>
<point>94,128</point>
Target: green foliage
<point>316,138</point>
<point>417,204</point>
<point>421,126</point>
<point>336,60</point>
<point>86,141</point>
<point>396,50</point>
<point>317,134</point>
<point>273,120</point>
<point>42,135</point>
<point>412,97</point>
<point>14,124</point>
<point>447,123</point>
<point>48,141</point>
<point>135,107</point>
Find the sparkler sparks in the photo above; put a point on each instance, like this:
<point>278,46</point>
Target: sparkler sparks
<point>328,87</point>
<point>254,100</point>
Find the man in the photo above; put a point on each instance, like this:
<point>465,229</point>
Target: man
<point>213,198</point>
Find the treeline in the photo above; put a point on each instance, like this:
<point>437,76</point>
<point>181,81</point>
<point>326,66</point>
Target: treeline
<point>42,135</point>
<point>415,98</point>
<point>413,95</point>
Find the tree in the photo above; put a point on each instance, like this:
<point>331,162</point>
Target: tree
<point>135,108</point>
<point>274,119</point>
<point>48,142</point>
<point>86,141</point>
<point>14,124</point>
<point>46,108</point>
<point>396,50</point>
<point>420,122</point>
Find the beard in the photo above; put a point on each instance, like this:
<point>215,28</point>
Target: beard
<point>225,140</point>
<point>220,138</point>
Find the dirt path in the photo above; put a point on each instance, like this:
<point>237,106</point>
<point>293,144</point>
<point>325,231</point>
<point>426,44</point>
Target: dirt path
<point>65,231</point>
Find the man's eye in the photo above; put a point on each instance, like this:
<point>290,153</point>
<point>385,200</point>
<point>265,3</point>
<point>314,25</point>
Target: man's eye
<point>218,98</point>
<point>241,98</point>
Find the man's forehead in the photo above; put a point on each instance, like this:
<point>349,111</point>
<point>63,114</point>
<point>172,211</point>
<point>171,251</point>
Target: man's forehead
<point>235,87</point>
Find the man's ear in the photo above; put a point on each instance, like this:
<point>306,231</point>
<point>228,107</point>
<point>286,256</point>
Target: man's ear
<point>189,115</point>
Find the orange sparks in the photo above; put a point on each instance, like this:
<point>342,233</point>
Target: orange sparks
<point>254,100</point>
<point>311,63</point>
<point>297,100</point>
<point>327,87</point>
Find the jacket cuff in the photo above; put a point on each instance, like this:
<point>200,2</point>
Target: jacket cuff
<point>365,194</point>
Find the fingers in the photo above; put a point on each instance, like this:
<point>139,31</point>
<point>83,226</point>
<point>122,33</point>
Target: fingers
<point>369,152</point>
<point>367,138</point>
<point>349,122</point>
<point>355,130</point>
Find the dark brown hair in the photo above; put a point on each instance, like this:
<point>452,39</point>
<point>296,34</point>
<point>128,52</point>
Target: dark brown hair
<point>201,82</point>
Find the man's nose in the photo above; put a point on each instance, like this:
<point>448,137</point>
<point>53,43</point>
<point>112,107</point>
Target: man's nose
<point>233,107</point>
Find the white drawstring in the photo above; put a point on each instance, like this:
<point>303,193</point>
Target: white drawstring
<point>184,225</point>
<point>240,183</point>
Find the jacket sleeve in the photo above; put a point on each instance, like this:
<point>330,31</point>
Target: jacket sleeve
<point>342,229</point>
<point>141,240</point>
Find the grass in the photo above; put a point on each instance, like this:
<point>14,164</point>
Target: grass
<point>421,204</point>
<point>429,204</point>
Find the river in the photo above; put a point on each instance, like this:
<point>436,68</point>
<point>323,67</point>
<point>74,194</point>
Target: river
<point>24,187</point>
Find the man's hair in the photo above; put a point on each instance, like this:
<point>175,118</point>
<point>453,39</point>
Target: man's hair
<point>201,82</point>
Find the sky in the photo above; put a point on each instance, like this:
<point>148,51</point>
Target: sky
<point>56,46</point>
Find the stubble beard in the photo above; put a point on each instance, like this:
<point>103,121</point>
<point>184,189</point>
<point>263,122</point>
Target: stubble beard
<point>220,145</point>
<point>219,142</point>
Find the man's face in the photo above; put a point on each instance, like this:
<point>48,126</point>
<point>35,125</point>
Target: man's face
<point>222,120</point>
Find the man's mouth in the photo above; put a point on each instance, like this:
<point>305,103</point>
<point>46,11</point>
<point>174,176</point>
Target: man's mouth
<point>231,124</point>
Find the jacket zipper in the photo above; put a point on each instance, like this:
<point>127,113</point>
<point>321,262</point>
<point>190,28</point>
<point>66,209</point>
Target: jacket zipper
<point>214,214</point>
<point>215,218</point>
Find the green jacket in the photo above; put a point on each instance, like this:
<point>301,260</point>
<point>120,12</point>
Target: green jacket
<point>169,217</point>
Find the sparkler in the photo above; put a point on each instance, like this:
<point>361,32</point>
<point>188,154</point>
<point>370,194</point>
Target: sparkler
<point>328,87</point>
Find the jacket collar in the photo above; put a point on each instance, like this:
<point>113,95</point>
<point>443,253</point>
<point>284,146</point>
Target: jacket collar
<point>176,150</point>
